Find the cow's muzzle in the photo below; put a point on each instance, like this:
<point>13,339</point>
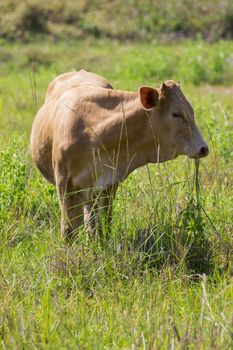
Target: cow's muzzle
<point>202,153</point>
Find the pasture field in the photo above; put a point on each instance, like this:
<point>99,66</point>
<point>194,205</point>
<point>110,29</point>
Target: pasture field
<point>164,279</point>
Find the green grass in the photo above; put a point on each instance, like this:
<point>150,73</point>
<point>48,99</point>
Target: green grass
<point>164,278</point>
<point>132,20</point>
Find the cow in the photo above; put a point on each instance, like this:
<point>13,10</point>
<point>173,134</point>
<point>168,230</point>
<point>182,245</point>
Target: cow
<point>87,138</point>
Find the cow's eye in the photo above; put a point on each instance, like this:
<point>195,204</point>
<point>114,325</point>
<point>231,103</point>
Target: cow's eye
<point>177,115</point>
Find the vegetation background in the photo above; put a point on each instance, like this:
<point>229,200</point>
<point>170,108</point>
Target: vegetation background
<point>164,278</point>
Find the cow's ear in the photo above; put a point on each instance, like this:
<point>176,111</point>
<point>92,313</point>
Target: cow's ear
<point>149,97</point>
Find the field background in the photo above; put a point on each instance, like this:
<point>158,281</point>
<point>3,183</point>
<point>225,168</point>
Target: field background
<point>164,278</point>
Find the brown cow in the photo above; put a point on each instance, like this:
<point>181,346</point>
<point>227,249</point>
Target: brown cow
<point>86,139</point>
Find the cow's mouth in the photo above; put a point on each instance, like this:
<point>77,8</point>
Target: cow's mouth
<point>194,156</point>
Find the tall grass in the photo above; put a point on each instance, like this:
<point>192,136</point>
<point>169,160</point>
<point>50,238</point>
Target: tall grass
<point>163,279</point>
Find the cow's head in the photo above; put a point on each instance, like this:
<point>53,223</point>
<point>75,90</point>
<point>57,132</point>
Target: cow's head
<point>172,119</point>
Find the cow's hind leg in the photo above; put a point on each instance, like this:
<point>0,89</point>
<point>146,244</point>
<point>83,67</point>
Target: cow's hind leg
<point>71,203</point>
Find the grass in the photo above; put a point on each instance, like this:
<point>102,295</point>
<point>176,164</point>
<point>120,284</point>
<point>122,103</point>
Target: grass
<point>147,20</point>
<point>164,278</point>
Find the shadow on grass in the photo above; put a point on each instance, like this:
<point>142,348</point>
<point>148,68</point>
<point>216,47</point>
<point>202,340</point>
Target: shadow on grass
<point>183,243</point>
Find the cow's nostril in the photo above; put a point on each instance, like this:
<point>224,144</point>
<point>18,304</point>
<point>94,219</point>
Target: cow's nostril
<point>204,151</point>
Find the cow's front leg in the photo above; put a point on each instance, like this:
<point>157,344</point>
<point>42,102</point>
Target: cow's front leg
<point>107,207</point>
<point>98,212</point>
<point>71,204</point>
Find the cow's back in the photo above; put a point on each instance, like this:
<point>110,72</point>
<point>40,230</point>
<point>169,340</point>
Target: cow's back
<point>70,80</point>
<point>41,143</point>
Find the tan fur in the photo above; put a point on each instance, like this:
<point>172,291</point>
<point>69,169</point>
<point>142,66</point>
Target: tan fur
<point>68,80</point>
<point>86,139</point>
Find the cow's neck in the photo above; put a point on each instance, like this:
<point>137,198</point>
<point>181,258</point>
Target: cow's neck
<point>131,129</point>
